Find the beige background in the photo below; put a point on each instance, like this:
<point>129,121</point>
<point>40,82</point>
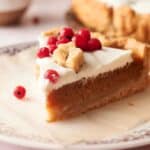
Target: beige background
<point>50,12</point>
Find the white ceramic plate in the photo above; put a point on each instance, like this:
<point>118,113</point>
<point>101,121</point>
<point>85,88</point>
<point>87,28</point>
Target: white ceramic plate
<point>138,136</point>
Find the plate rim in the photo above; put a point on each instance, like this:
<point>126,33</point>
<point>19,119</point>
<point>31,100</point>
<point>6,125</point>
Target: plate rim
<point>45,146</point>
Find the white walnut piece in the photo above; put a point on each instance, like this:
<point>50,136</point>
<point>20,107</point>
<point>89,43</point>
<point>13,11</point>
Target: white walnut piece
<point>67,55</point>
<point>75,59</point>
<point>60,56</point>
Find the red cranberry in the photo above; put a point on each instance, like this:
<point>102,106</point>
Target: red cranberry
<point>85,33</point>
<point>43,52</point>
<point>20,92</point>
<point>67,33</point>
<point>51,75</point>
<point>94,44</point>
<point>63,40</point>
<point>80,42</point>
<point>52,48</point>
<point>52,40</point>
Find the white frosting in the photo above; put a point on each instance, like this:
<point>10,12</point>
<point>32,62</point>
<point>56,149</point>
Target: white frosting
<point>98,62</point>
<point>10,5</point>
<point>140,6</point>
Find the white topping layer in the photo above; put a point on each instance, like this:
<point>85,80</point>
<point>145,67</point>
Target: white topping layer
<point>98,62</point>
<point>140,6</point>
<point>10,5</point>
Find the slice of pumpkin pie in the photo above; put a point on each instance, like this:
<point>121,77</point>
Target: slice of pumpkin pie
<point>76,73</point>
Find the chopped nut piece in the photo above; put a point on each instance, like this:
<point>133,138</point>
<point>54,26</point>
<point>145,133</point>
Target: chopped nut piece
<point>75,59</point>
<point>51,32</point>
<point>68,55</point>
<point>66,45</point>
<point>61,53</point>
<point>60,56</point>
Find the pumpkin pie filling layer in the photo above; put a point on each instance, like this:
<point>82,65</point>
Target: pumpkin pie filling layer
<point>85,94</point>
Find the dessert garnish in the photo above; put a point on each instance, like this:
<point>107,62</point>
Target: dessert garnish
<point>43,52</point>
<point>84,41</point>
<point>66,47</point>
<point>94,44</point>
<point>52,40</point>
<point>66,33</point>
<point>80,42</point>
<point>63,40</point>
<point>19,92</point>
<point>51,75</point>
<point>68,55</point>
<point>52,48</point>
<point>85,33</point>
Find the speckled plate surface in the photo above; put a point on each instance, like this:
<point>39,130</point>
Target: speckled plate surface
<point>137,136</point>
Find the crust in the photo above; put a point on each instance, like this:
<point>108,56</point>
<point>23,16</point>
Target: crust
<point>138,48</point>
<point>121,21</point>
